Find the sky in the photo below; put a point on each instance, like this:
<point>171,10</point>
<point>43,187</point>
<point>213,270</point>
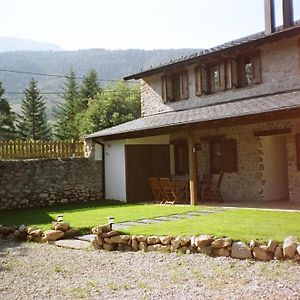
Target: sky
<point>124,24</point>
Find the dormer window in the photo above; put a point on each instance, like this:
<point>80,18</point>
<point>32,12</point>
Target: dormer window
<point>175,86</point>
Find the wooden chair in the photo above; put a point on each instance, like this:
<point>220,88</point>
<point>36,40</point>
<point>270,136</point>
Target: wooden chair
<point>156,190</point>
<point>210,190</point>
<point>170,194</point>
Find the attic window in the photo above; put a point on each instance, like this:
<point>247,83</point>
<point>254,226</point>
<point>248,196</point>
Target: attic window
<point>175,86</point>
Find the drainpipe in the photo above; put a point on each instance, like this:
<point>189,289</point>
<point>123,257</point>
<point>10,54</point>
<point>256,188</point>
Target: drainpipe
<point>103,166</point>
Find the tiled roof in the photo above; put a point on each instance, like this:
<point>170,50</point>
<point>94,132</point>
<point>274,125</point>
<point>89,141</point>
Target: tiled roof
<point>257,37</point>
<point>238,108</point>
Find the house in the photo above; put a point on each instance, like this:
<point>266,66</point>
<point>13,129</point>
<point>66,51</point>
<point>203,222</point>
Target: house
<point>235,105</point>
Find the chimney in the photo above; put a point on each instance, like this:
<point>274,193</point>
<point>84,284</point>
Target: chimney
<point>288,13</point>
<point>269,17</point>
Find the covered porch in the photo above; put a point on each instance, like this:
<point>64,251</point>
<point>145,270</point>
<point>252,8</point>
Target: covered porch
<point>260,159</point>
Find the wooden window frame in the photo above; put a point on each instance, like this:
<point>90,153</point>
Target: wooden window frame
<point>181,157</point>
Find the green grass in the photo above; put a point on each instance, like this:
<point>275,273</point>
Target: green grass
<point>87,215</point>
<point>238,224</point>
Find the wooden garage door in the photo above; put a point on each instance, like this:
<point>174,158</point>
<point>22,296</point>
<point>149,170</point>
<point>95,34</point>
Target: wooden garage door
<point>142,162</point>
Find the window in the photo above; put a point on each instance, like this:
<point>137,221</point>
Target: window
<point>181,158</point>
<point>223,155</point>
<point>175,86</point>
<point>249,69</point>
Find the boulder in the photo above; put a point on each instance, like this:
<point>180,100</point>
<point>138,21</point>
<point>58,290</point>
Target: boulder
<point>119,239</point>
<point>36,233</point>
<point>109,234</point>
<point>110,247</point>
<point>141,238</point>
<point>124,248</point>
<point>165,240</point>
<point>298,248</point>
<point>221,243</point>
<point>62,226</point>
<point>185,241</point>
<point>143,246</point>
<point>290,247</point>
<point>152,240</point>
<point>271,246</point>
<point>204,240</point>
<point>261,253</point>
<point>95,242</point>
<point>100,229</point>
<point>53,235</point>
<point>278,253</point>
<point>253,244</point>
<point>134,244</point>
<point>5,230</point>
<point>23,228</point>
<point>182,249</point>
<point>191,249</point>
<point>221,252</point>
<point>204,250</point>
<point>71,232</point>
<point>240,250</point>
<point>193,241</point>
<point>159,247</point>
<point>15,235</point>
<point>175,244</point>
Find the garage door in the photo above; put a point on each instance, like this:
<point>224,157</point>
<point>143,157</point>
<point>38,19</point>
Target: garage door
<point>142,162</point>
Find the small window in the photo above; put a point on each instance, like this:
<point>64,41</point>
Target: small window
<point>181,158</point>
<point>175,86</point>
<point>223,155</point>
<point>249,67</point>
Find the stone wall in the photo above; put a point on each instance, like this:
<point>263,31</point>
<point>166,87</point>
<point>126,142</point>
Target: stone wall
<point>42,182</point>
<point>280,72</point>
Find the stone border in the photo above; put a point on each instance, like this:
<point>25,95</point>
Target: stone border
<point>112,240</point>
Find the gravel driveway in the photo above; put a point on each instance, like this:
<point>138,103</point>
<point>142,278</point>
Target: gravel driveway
<point>41,271</point>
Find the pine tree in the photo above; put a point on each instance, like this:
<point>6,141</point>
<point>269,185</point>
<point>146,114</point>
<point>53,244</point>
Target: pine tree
<point>32,123</point>
<point>66,127</point>
<point>7,128</point>
<point>89,88</point>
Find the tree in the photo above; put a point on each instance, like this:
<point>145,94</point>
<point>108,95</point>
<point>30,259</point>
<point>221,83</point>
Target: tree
<point>66,127</point>
<point>7,128</point>
<point>113,106</point>
<point>89,88</point>
<point>32,123</point>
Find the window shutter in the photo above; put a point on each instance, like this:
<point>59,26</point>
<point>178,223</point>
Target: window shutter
<point>198,86</point>
<point>169,91</point>
<point>229,156</point>
<point>184,85</point>
<point>228,74</point>
<point>240,72</point>
<point>234,73</point>
<point>298,150</point>
<point>204,81</point>
<point>256,62</point>
<point>222,76</point>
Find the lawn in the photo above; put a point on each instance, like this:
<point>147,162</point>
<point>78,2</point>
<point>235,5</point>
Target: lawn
<point>88,215</point>
<point>238,224</point>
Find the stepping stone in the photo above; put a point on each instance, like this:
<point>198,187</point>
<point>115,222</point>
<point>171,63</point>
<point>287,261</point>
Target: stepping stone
<point>73,244</point>
<point>170,218</point>
<point>183,216</point>
<point>150,221</point>
<point>86,237</point>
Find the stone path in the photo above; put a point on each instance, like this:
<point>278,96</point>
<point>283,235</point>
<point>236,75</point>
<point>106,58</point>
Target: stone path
<point>83,242</point>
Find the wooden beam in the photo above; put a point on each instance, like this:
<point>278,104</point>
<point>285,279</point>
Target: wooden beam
<point>288,13</point>
<point>192,169</point>
<point>273,132</point>
<point>212,138</point>
<point>269,17</point>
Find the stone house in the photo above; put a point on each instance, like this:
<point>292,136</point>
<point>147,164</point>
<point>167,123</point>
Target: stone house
<point>236,106</point>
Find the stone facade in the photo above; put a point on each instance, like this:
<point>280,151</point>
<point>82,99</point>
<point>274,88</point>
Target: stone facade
<point>251,181</point>
<point>43,182</point>
<point>280,72</point>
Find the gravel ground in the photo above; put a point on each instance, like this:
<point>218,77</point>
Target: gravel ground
<point>41,271</point>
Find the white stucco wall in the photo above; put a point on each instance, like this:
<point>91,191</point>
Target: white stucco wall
<point>275,174</point>
<point>115,167</point>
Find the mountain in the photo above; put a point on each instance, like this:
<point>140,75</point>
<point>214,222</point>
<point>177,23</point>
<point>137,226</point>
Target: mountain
<point>109,64</point>
<point>18,44</point>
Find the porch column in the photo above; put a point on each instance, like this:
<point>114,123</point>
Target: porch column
<point>192,169</point>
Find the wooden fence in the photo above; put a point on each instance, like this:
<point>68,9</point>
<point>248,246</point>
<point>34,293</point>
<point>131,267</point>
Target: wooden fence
<point>40,149</point>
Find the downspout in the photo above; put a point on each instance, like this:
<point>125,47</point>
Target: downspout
<point>103,166</point>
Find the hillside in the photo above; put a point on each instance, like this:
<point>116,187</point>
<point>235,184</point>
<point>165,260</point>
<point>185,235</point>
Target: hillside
<point>110,65</point>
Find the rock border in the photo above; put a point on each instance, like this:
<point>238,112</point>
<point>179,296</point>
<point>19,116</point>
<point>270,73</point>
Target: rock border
<point>111,240</point>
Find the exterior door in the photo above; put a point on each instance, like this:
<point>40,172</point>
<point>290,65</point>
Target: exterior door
<point>142,162</point>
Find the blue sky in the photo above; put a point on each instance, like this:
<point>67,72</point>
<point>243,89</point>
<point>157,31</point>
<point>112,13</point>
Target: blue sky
<point>123,24</point>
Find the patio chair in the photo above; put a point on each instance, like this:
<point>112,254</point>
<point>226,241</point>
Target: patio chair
<point>156,190</point>
<point>170,194</point>
<point>211,190</point>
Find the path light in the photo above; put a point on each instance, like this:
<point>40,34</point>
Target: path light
<point>60,218</point>
<point>110,221</point>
